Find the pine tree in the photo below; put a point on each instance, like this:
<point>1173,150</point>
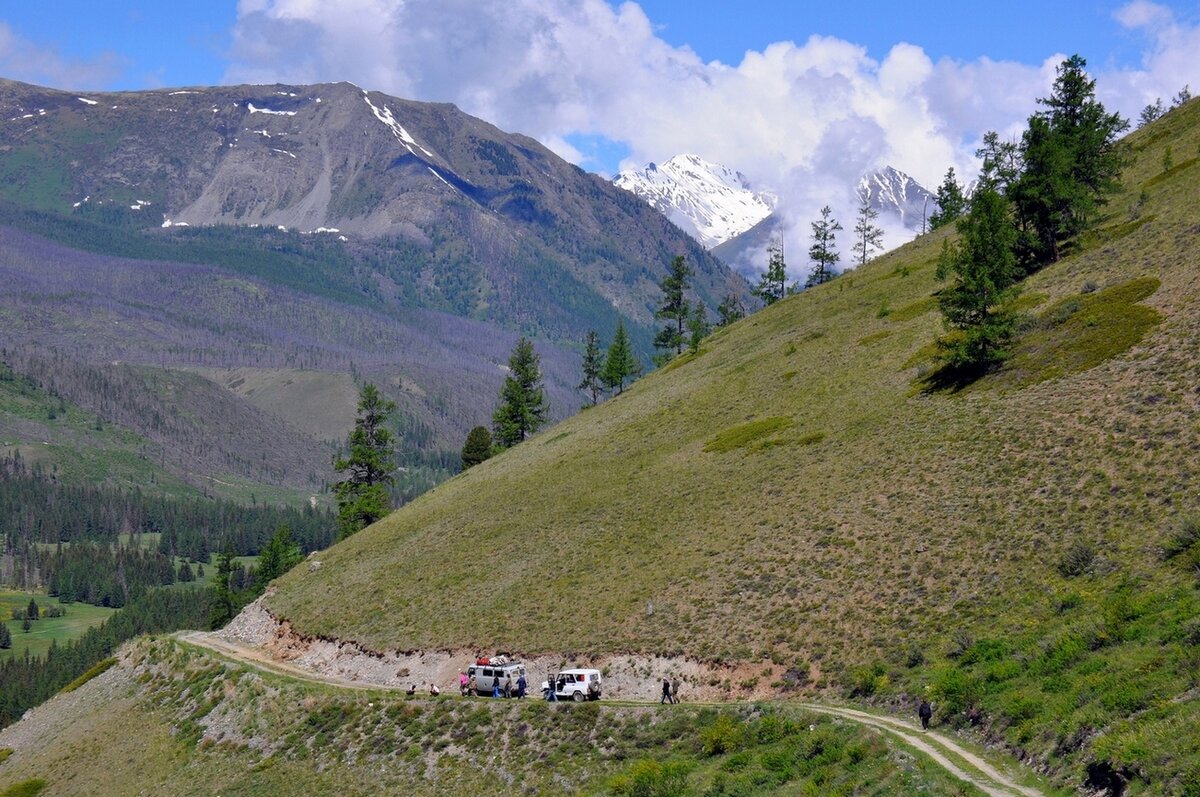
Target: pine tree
<point>772,285</point>
<point>1183,97</point>
<point>185,573</point>
<point>983,269</point>
<point>823,252</point>
<point>32,612</point>
<point>868,237</point>
<point>620,364</point>
<point>950,201</point>
<point>362,496</point>
<point>592,366</point>
<point>1151,112</point>
<point>477,448</point>
<point>221,597</point>
<point>523,405</point>
<point>1001,163</point>
<point>279,555</point>
<point>674,308</point>
<point>5,636</point>
<point>698,326</point>
<point>1070,164</point>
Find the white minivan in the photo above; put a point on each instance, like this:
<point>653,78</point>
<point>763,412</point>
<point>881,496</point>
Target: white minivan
<point>576,684</point>
<point>486,675</point>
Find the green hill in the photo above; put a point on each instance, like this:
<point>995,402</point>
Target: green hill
<point>790,495</point>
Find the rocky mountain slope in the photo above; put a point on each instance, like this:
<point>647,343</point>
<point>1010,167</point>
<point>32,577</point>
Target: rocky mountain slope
<point>898,198</point>
<point>324,228</point>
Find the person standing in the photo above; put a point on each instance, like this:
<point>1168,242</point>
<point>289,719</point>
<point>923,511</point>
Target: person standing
<point>550,695</point>
<point>925,712</point>
<point>666,692</point>
<point>462,683</point>
<point>471,686</point>
<point>521,684</point>
<point>675,690</point>
<point>508,686</point>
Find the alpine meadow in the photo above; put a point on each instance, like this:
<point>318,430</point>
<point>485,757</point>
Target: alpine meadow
<point>289,508</point>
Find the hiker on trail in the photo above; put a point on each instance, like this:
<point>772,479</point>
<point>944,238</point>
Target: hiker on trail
<point>508,686</point>
<point>521,684</point>
<point>675,691</point>
<point>462,683</point>
<point>666,696</point>
<point>925,712</point>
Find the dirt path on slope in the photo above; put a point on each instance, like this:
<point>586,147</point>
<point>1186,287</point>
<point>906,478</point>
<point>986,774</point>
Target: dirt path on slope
<point>945,752</point>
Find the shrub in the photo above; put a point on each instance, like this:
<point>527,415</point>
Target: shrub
<point>1077,559</point>
<point>26,788</point>
<point>724,735</point>
<point>956,690</point>
<point>649,778</point>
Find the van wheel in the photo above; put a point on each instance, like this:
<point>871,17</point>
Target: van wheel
<point>579,697</point>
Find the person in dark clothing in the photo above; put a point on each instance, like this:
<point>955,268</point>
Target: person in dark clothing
<point>666,696</point>
<point>521,684</point>
<point>925,712</point>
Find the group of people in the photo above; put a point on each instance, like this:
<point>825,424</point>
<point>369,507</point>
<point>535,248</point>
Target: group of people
<point>670,692</point>
<point>507,688</point>
<point>433,689</point>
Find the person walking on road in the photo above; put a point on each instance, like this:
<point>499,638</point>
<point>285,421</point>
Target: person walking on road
<point>675,691</point>
<point>925,712</point>
<point>666,695</point>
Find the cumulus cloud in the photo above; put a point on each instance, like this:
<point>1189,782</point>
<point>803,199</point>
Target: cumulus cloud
<point>802,120</point>
<point>21,59</point>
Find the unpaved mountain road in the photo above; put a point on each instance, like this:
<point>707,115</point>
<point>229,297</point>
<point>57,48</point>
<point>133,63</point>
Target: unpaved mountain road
<point>942,750</point>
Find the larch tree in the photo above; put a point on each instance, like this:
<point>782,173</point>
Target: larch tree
<point>477,448</point>
<point>674,308</point>
<point>279,555</point>
<point>620,364</point>
<point>523,407</point>
<point>593,364</point>
<point>772,285</point>
<point>729,310</point>
<point>868,236</point>
<point>823,252</point>
<point>1071,161</point>
<point>362,495</point>
<point>950,199</point>
<point>982,267</point>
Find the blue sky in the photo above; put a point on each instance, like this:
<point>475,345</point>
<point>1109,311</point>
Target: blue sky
<point>804,98</point>
<point>148,44</point>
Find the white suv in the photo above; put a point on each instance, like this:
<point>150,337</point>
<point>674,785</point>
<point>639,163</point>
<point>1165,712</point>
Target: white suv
<point>577,685</point>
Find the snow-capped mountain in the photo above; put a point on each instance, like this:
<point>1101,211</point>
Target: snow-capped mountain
<point>892,192</point>
<point>710,202</point>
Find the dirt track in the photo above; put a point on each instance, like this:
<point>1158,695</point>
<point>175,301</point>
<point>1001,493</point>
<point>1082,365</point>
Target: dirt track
<point>944,751</point>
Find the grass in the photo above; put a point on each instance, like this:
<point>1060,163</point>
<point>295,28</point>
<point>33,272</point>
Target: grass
<point>746,434</point>
<point>100,667</point>
<point>79,618</point>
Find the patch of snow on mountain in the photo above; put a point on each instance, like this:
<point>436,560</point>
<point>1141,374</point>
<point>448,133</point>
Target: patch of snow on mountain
<point>712,203</point>
<point>891,191</point>
<point>384,115</point>
<point>255,109</point>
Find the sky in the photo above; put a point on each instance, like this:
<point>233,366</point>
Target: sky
<point>802,97</point>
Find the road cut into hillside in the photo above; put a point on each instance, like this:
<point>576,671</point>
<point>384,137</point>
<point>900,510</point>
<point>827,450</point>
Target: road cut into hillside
<point>257,639</point>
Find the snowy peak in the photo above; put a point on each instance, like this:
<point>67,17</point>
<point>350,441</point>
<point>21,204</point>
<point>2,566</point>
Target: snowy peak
<point>710,202</point>
<point>891,191</point>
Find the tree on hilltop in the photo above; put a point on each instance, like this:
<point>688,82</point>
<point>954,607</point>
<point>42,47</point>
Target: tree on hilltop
<point>823,252</point>
<point>362,496</point>
<point>592,366</point>
<point>772,285</point>
<point>729,310</point>
<point>523,407</point>
<point>620,364</point>
<point>868,237</point>
<point>477,448</point>
<point>674,308</point>
<point>279,555</point>
<point>951,201</point>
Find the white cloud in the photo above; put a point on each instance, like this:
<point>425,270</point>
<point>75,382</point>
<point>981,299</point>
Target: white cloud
<point>803,120</point>
<point>21,59</point>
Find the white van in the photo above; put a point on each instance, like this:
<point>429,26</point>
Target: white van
<point>576,684</point>
<point>486,675</point>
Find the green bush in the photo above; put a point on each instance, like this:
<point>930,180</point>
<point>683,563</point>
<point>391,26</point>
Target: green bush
<point>1077,559</point>
<point>724,735</point>
<point>26,788</point>
<point>649,778</point>
<point>955,690</point>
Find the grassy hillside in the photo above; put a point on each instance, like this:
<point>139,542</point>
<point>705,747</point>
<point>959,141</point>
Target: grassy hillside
<point>791,493</point>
